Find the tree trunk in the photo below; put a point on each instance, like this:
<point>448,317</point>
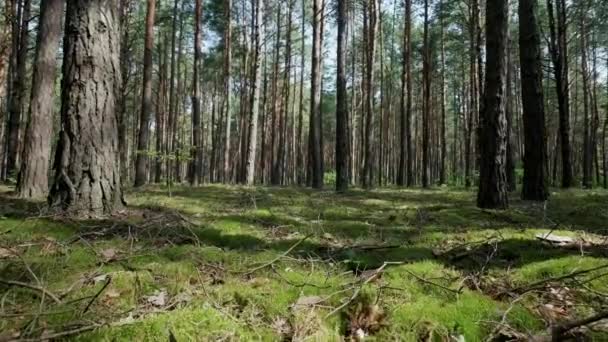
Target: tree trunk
<point>33,176</point>
<point>492,184</point>
<point>372,7</point>
<point>125,50</point>
<point>18,87</point>
<point>196,153</point>
<point>316,150</point>
<point>228,89</point>
<point>426,97</point>
<point>87,175</point>
<point>342,151</point>
<point>535,137</point>
<point>255,98</point>
<point>444,149</point>
<point>141,163</point>
<point>587,146</point>
<point>405,156</point>
<point>559,56</point>
<point>301,170</point>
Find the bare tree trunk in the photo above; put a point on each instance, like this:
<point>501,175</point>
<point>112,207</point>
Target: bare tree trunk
<point>535,171</point>
<point>492,184</point>
<point>33,177</point>
<point>18,87</point>
<point>342,150</point>
<point>559,56</point>
<point>172,117</point>
<point>87,175</point>
<point>141,164</point>
<point>370,35</point>
<point>300,166</point>
<point>426,94</point>
<point>196,164</point>
<point>444,149</point>
<point>125,50</point>
<point>228,89</point>
<point>316,152</point>
<point>587,147</point>
<point>255,98</point>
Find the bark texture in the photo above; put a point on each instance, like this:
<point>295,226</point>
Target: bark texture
<point>33,177</point>
<point>535,138</point>
<point>492,192</point>
<point>87,175</point>
<point>342,151</point>
<point>141,163</point>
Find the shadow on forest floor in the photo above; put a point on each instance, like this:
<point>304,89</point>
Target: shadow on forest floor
<point>180,240</point>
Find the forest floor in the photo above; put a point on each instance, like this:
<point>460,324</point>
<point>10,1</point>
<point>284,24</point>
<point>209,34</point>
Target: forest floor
<point>235,263</point>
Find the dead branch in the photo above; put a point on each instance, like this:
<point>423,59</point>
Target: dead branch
<point>541,283</point>
<point>364,282</point>
<point>419,278</point>
<point>31,287</point>
<point>271,262</point>
<point>105,285</point>
<point>558,331</point>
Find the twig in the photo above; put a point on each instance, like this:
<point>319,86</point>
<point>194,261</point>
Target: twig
<point>363,283</point>
<point>432,283</point>
<point>31,287</point>
<point>279,256</point>
<point>59,334</point>
<point>541,283</point>
<point>97,294</point>
<point>558,331</point>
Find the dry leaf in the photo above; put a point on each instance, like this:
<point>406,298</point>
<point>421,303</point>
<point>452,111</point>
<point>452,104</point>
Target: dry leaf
<point>6,253</point>
<point>308,301</point>
<point>159,298</point>
<point>109,254</point>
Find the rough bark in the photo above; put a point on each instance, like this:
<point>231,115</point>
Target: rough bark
<point>535,137</point>
<point>372,7</point>
<point>405,155</point>
<point>342,151</point>
<point>141,163</point>
<point>587,143</point>
<point>196,153</point>
<point>228,89</point>
<point>558,50</point>
<point>426,96</point>
<point>492,192</point>
<point>33,176</point>
<point>316,150</point>
<point>18,88</point>
<point>87,175</point>
<point>255,98</point>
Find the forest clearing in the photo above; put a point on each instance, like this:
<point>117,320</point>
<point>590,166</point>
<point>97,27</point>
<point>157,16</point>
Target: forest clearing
<point>229,263</point>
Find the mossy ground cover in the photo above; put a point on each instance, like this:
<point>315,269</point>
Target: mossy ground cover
<point>236,263</point>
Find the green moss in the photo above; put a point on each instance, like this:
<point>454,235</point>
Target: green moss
<point>238,228</point>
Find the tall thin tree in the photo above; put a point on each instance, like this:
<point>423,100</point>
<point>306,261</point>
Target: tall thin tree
<point>492,183</point>
<point>535,172</point>
<point>33,176</point>
<point>141,163</point>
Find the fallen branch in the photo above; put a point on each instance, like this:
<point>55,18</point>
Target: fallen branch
<point>271,262</point>
<point>105,285</point>
<point>419,278</point>
<point>59,334</point>
<point>541,283</point>
<point>366,281</point>
<point>31,287</point>
<point>558,331</point>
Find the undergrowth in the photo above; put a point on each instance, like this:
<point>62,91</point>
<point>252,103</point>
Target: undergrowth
<point>236,263</point>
